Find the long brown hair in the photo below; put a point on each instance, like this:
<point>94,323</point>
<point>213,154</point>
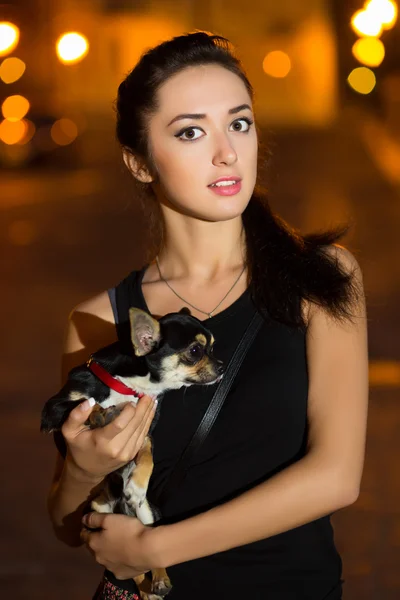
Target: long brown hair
<point>284,266</point>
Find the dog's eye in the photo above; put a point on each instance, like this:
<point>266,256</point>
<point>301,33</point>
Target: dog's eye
<point>196,352</point>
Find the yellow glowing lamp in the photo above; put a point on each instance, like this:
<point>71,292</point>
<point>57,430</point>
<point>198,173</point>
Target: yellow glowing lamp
<point>369,51</point>
<point>72,47</point>
<point>383,11</point>
<point>14,108</point>
<point>277,64</point>
<point>362,80</point>
<point>9,37</point>
<point>11,69</point>
<point>365,22</point>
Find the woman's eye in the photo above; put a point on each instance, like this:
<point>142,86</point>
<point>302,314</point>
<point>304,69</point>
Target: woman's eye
<point>186,132</point>
<point>240,125</point>
<point>247,125</point>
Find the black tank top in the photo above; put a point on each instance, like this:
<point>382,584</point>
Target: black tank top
<point>261,429</point>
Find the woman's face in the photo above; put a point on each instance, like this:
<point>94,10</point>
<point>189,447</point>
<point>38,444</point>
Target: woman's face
<point>218,140</point>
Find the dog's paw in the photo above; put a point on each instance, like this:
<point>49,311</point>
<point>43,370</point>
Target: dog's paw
<point>101,505</point>
<point>161,586</point>
<point>134,494</point>
<point>100,417</point>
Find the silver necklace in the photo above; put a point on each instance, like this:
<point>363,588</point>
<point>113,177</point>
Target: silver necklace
<point>209,314</point>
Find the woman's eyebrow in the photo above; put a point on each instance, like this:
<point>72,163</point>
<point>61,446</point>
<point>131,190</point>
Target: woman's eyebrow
<point>231,111</point>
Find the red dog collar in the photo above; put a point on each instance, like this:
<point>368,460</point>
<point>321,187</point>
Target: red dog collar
<point>110,381</point>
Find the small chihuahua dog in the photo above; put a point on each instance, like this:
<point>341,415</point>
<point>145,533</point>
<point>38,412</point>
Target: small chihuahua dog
<point>169,353</point>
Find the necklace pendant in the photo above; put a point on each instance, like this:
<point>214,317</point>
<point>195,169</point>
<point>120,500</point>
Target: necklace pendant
<point>186,302</point>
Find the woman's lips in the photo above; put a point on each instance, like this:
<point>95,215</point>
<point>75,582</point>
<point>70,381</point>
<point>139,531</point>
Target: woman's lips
<point>226,190</point>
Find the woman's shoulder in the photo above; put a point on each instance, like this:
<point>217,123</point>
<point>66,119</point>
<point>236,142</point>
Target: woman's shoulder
<point>100,305</point>
<point>347,265</point>
<point>90,326</point>
<point>96,306</point>
<point>345,259</point>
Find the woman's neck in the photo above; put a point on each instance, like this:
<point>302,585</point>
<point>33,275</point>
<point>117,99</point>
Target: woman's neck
<point>204,254</point>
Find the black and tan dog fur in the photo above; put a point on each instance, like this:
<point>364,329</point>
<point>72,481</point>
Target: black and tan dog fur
<point>166,354</point>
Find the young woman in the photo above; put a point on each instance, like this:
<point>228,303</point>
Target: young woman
<point>251,519</point>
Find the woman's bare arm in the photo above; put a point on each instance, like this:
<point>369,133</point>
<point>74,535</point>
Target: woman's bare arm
<point>69,494</point>
<point>91,454</point>
<point>326,479</point>
<point>70,489</point>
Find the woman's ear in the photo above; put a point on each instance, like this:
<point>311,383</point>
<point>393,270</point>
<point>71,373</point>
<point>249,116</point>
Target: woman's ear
<point>136,167</point>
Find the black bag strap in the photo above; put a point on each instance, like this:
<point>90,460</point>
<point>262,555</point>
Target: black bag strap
<point>179,471</point>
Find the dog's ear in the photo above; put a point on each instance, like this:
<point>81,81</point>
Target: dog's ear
<point>185,311</point>
<point>145,331</point>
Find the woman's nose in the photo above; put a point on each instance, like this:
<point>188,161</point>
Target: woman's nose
<point>224,152</point>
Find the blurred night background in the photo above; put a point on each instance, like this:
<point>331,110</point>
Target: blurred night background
<point>327,80</point>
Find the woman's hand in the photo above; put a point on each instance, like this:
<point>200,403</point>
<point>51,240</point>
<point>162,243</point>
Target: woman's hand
<point>93,453</point>
<point>122,545</point>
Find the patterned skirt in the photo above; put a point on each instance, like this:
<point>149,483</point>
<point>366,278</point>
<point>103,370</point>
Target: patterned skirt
<point>109,591</point>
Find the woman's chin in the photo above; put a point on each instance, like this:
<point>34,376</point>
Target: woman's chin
<point>230,208</point>
<point>216,216</point>
<point>222,208</point>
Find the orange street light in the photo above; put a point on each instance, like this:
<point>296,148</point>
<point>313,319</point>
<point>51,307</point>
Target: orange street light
<point>11,69</point>
<point>72,47</point>
<point>14,108</point>
<point>64,132</point>
<point>9,37</point>
<point>12,132</point>
<point>277,64</point>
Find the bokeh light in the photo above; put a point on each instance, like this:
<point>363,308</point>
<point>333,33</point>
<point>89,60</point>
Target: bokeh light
<point>366,23</point>
<point>12,132</point>
<point>9,37</point>
<point>277,64</point>
<point>29,132</point>
<point>72,47</point>
<point>15,107</point>
<point>362,80</point>
<point>370,51</point>
<point>384,11</point>
<point>11,69</point>
<point>64,132</point>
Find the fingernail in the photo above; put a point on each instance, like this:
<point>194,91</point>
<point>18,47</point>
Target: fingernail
<point>88,404</point>
<point>155,402</point>
<point>85,519</point>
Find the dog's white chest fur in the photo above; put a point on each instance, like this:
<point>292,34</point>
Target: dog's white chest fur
<point>116,398</point>
<point>140,384</point>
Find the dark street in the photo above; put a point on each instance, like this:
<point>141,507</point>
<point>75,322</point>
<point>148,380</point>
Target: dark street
<point>70,227</point>
<point>67,235</point>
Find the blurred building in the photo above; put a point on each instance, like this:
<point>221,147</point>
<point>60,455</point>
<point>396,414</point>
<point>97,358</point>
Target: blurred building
<point>289,48</point>
<point>298,37</point>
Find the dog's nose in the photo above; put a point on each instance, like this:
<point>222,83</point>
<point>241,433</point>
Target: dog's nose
<point>220,368</point>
